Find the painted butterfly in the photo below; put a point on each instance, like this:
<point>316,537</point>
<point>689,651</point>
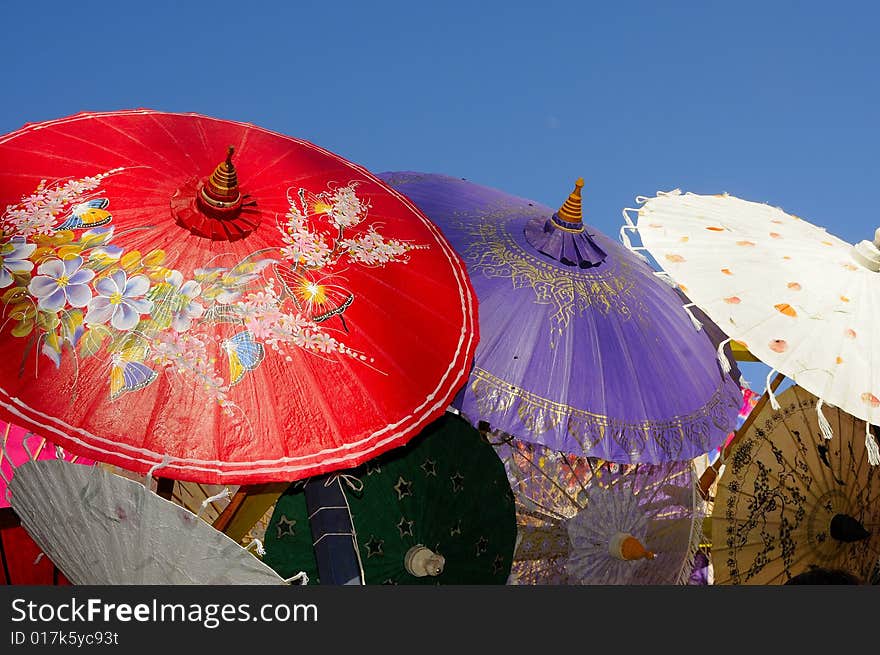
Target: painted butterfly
<point>129,373</point>
<point>318,300</point>
<point>244,353</point>
<point>89,214</point>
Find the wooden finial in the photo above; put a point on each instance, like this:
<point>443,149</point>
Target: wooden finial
<point>221,189</point>
<point>570,212</point>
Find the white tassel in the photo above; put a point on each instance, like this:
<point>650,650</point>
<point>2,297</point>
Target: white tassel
<point>667,278</point>
<point>223,494</point>
<point>300,577</point>
<point>871,445</point>
<point>694,320</point>
<point>148,478</point>
<point>257,545</point>
<point>824,425</point>
<point>722,357</point>
<point>351,481</point>
<point>773,402</point>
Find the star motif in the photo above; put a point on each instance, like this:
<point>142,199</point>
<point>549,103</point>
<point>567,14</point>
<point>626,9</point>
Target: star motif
<point>403,488</point>
<point>498,564</point>
<point>482,545</point>
<point>285,527</point>
<point>457,482</point>
<point>374,547</point>
<point>429,466</point>
<point>405,527</point>
<point>373,467</point>
<point>455,529</point>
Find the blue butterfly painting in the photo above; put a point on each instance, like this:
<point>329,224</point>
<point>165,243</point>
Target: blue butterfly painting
<point>245,355</point>
<point>128,374</point>
<point>89,214</point>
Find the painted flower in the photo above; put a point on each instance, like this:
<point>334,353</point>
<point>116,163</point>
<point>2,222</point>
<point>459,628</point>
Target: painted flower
<point>347,209</point>
<point>14,259</point>
<point>372,249</point>
<point>185,307</point>
<point>120,300</point>
<point>60,282</point>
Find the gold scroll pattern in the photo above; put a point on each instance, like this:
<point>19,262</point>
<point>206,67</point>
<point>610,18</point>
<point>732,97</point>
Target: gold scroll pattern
<point>493,251</point>
<point>540,415</point>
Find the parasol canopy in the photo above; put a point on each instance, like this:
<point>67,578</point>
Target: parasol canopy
<point>18,446</point>
<point>585,521</point>
<point>799,299</point>
<point>101,528</point>
<point>231,303</point>
<point>788,499</point>
<point>436,511</point>
<point>21,560</point>
<point>582,348</point>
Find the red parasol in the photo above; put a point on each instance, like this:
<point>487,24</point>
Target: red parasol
<point>285,315</point>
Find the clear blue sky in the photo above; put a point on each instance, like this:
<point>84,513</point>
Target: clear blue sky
<point>770,101</point>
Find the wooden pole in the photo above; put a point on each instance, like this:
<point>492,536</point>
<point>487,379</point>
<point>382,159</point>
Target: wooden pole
<point>165,487</point>
<point>246,507</point>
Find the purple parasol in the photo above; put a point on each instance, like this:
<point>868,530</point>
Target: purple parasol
<point>582,347</point>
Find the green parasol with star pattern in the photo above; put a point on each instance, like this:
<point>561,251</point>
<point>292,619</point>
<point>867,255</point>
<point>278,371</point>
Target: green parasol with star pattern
<point>438,510</point>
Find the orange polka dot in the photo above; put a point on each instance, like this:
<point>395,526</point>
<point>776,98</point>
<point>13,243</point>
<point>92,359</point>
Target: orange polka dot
<point>778,345</point>
<point>712,228</point>
<point>726,271</point>
<point>850,333</point>
<point>675,259</point>
<point>775,235</point>
<point>794,286</point>
<point>785,308</point>
<point>732,300</point>
<point>745,243</point>
<point>844,299</point>
<point>870,399</point>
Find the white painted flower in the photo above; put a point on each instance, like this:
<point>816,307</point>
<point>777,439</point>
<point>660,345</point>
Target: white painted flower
<point>347,210</point>
<point>185,307</point>
<point>14,259</point>
<point>120,300</point>
<point>372,249</point>
<point>60,282</point>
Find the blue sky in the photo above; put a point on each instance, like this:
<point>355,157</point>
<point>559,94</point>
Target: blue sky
<point>770,101</point>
